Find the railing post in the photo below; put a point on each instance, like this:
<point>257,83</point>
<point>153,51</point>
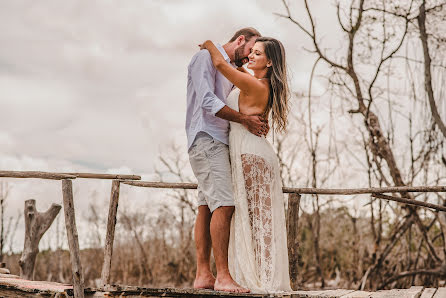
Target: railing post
<point>293,237</point>
<point>73,241</point>
<point>111,223</point>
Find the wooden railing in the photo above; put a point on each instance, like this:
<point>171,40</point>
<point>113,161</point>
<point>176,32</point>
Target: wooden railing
<point>68,206</point>
<point>134,180</point>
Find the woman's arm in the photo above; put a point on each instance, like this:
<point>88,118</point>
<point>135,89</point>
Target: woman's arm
<point>243,80</point>
<point>242,69</point>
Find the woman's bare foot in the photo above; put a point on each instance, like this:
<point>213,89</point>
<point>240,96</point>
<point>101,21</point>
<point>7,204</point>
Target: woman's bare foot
<point>204,282</point>
<point>229,285</point>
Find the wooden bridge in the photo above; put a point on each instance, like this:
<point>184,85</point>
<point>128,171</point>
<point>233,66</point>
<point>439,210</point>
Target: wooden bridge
<point>12,286</point>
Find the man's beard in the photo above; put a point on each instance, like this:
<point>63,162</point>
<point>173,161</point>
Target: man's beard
<point>239,59</point>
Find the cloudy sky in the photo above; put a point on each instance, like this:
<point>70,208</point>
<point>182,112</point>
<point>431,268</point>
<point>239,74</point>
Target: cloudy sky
<point>100,86</point>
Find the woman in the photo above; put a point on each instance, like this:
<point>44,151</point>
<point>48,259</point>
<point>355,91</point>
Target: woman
<point>258,256</point>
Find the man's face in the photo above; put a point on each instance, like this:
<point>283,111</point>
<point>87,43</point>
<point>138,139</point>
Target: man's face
<point>242,52</point>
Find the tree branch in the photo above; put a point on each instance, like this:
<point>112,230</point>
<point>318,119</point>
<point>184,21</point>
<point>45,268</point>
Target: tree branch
<point>427,69</point>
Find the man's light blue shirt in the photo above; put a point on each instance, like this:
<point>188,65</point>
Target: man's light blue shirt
<point>207,90</point>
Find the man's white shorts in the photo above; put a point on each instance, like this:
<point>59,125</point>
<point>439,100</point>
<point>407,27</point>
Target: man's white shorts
<point>209,159</point>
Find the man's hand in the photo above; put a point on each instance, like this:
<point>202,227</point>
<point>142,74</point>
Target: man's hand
<point>256,125</point>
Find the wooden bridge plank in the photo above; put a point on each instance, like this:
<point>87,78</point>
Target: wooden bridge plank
<point>12,286</point>
<point>134,291</point>
<point>440,293</point>
<point>299,294</point>
<point>9,276</point>
<point>417,288</point>
<point>32,286</point>
<point>413,292</point>
<point>428,293</point>
<point>357,294</point>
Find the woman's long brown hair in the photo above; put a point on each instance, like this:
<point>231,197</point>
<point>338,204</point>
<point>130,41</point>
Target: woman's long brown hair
<point>278,101</point>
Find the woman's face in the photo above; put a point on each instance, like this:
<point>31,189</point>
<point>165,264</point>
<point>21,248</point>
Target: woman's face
<point>257,57</point>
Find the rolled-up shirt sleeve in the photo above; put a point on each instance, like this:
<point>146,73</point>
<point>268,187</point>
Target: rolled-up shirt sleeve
<point>202,73</point>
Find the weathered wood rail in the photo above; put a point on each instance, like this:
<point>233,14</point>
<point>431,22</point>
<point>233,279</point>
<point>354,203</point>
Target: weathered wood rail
<point>14,286</point>
<point>69,211</point>
<point>293,215</point>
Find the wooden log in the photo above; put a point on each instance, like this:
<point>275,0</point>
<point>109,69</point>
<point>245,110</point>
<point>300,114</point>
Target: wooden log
<point>320,191</point>
<point>409,202</point>
<point>104,176</point>
<point>73,242</point>
<point>293,237</point>
<point>355,191</point>
<point>36,224</point>
<point>35,174</point>
<point>110,237</point>
<point>60,176</point>
<point>160,184</point>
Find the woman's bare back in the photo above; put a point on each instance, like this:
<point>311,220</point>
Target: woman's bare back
<point>255,101</point>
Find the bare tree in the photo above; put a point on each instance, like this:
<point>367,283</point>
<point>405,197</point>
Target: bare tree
<point>380,48</point>
<point>130,223</point>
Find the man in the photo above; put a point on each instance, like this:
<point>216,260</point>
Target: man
<point>207,128</point>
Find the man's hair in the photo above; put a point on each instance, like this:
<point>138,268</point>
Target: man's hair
<point>248,32</point>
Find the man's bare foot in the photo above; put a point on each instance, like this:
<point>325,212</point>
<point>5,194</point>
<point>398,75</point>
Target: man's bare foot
<point>204,282</point>
<point>229,285</point>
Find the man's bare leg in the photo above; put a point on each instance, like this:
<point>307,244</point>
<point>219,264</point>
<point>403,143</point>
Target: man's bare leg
<point>204,278</point>
<point>220,228</point>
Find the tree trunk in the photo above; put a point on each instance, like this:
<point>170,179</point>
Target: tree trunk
<point>427,69</point>
<point>36,224</point>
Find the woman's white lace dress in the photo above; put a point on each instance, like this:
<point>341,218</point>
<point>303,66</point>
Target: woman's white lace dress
<point>258,256</point>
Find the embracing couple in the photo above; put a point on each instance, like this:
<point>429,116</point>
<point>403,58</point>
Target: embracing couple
<point>241,212</point>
